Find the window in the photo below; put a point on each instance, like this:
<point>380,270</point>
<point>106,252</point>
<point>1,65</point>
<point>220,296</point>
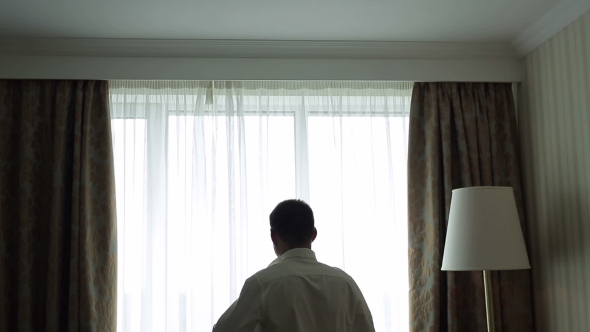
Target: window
<point>200,165</point>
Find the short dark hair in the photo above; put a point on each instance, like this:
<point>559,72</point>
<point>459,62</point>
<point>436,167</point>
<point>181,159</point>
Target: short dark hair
<point>293,221</point>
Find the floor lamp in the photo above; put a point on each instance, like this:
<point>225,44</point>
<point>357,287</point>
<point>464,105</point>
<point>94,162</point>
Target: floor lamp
<point>484,234</point>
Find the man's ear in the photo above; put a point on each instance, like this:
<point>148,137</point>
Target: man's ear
<point>274,236</point>
<point>315,234</point>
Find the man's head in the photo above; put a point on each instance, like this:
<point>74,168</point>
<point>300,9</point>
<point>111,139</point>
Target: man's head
<point>292,226</point>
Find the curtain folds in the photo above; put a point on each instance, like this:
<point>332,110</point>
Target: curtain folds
<point>461,135</point>
<point>57,208</point>
<point>200,165</point>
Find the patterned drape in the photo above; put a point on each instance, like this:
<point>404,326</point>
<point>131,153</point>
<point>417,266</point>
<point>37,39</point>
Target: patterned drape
<point>461,135</point>
<point>57,208</point>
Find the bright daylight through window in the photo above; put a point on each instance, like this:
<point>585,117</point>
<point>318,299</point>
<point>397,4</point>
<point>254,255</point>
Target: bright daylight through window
<point>200,165</point>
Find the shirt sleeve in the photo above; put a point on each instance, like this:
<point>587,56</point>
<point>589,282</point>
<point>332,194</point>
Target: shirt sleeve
<point>363,320</point>
<point>245,313</point>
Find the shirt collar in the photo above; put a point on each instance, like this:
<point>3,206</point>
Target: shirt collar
<point>297,252</point>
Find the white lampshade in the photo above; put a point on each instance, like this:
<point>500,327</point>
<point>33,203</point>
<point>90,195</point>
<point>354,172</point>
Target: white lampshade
<point>484,231</point>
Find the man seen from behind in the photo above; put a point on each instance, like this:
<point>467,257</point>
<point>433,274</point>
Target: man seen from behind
<point>296,293</point>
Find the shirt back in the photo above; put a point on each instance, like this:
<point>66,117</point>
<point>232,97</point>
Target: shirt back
<point>299,294</point>
<point>296,293</point>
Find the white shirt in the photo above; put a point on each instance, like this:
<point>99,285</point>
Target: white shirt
<point>296,293</point>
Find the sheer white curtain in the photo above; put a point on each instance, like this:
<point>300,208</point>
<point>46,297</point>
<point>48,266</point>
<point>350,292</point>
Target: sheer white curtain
<point>200,165</point>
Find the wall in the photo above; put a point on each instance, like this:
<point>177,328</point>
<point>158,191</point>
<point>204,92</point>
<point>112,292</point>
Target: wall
<point>554,120</point>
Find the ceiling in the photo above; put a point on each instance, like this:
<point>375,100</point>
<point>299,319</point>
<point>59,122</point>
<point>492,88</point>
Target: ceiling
<point>336,20</point>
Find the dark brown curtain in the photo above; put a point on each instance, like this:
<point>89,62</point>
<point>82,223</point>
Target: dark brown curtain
<point>461,135</point>
<point>57,209</point>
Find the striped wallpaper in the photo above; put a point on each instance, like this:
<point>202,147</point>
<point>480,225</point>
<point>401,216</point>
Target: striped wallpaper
<point>554,121</point>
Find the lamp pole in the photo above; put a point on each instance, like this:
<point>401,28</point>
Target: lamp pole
<point>487,283</point>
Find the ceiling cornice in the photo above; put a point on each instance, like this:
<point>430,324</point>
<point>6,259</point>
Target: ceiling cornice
<point>549,24</point>
<point>254,49</point>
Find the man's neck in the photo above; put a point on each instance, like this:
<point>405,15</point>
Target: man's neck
<point>299,247</point>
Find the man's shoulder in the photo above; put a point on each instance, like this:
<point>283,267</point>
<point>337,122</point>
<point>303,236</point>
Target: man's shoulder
<point>283,270</point>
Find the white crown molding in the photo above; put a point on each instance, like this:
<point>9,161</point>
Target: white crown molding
<point>166,68</point>
<point>254,49</point>
<point>549,24</point>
